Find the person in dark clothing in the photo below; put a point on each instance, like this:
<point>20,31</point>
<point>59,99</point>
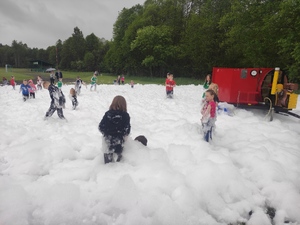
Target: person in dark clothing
<point>115,126</point>
<point>58,74</point>
<point>57,100</point>
<point>78,84</point>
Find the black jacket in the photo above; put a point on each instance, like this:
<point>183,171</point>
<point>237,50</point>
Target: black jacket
<point>56,95</point>
<point>115,123</point>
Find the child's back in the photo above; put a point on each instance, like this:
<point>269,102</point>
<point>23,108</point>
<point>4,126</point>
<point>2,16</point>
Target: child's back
<point>114,126</point>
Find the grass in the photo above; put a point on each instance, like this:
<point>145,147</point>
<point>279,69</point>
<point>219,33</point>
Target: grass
<point>69,77</point>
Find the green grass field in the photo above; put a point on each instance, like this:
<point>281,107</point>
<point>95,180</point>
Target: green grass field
<point>69,77</point>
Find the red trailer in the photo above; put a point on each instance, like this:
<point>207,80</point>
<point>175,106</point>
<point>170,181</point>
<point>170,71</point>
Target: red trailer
<point>256,87</point>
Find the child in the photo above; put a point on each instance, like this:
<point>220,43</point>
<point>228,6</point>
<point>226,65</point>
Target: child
<point>215,88</point>
<point>73,98</point>
<point>78,84</point>
<point>39,82</point>
<point>123,79</point>
<point>57,100</point>
<point>94,82</point>
<point>208,114</point>
<point>167,79</point>
<point>132,84</point>
<point>25,90</point>
<point>4,81</point>
<point>115,126</point>
<point>170,84</point>
<point>119,80</point>
<point>59,83</point>
<point>206,85</point>
<point>32,89</point>
<point>12,82</point>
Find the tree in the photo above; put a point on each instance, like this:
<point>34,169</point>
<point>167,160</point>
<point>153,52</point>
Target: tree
<point>286,23</point>
<point>89,61</point>
<point>155,48</point>
<point>20,54</point>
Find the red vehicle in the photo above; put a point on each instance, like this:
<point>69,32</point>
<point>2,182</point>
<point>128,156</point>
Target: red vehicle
<point>256,87</point>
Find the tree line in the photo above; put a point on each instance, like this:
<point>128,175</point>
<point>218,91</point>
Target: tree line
<point>185,37</point>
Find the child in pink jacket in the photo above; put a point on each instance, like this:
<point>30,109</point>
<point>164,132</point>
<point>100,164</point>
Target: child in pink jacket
<point>32,89</point>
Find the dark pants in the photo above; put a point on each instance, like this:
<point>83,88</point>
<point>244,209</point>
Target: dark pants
<point>170,94</point>
<point>115,145</point>
<point>52,109</point>
<point>74,102</point>
<point>25,97</point>
<point>32,95</point>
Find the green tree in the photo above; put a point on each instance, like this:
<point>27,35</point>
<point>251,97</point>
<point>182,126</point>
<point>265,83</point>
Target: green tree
<point>251,40</point>
<point>89,61</point>
<point>20,54</point>
<point>154,45</point>
<point>286,25</point>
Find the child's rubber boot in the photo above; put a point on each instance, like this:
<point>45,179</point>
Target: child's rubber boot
<point>108,157</point>
<point>119,157</point>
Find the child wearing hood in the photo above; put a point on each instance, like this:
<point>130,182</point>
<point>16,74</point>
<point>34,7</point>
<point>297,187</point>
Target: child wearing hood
<point>115,126</point>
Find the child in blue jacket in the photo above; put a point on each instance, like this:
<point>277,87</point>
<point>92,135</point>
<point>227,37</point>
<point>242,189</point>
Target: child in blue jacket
<point>25,87</point>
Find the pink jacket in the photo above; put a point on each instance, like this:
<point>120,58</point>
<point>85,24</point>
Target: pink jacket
<point>32,85</point>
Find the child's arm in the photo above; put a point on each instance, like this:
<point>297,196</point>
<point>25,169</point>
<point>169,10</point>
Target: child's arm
<point>206,114</point>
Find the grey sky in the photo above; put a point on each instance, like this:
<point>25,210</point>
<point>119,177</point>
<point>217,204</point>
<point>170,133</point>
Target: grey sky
<point>40,23</point>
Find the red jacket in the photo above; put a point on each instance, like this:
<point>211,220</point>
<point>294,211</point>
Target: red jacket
<point>170,85</point>
<point>12,82</point>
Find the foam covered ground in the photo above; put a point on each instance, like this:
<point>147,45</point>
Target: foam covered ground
<point>52,172</point>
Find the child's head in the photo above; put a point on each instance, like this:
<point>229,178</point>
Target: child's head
<point>119,103</point>
<point>209,95</point>
<point>214,87</point>
<point>60,79</point>
<point>12,77</point>
<point>46,84</point>
<point>72,91</point>
<point>171,77</point>
<point>142,139</point>
<point>24,81</point>
<point>30,82</point>
<point>208,78</point>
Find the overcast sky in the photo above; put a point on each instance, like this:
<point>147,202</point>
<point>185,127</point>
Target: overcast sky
<point>40,23</point>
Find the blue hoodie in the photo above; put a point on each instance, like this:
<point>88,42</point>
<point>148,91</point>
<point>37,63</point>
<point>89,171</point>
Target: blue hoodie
<point>25,89</point>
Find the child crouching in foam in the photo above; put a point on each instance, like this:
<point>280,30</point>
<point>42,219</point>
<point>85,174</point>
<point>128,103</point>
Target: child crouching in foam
<point>73,98</point>
<point>208,115</point>
<point>115,127</point>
